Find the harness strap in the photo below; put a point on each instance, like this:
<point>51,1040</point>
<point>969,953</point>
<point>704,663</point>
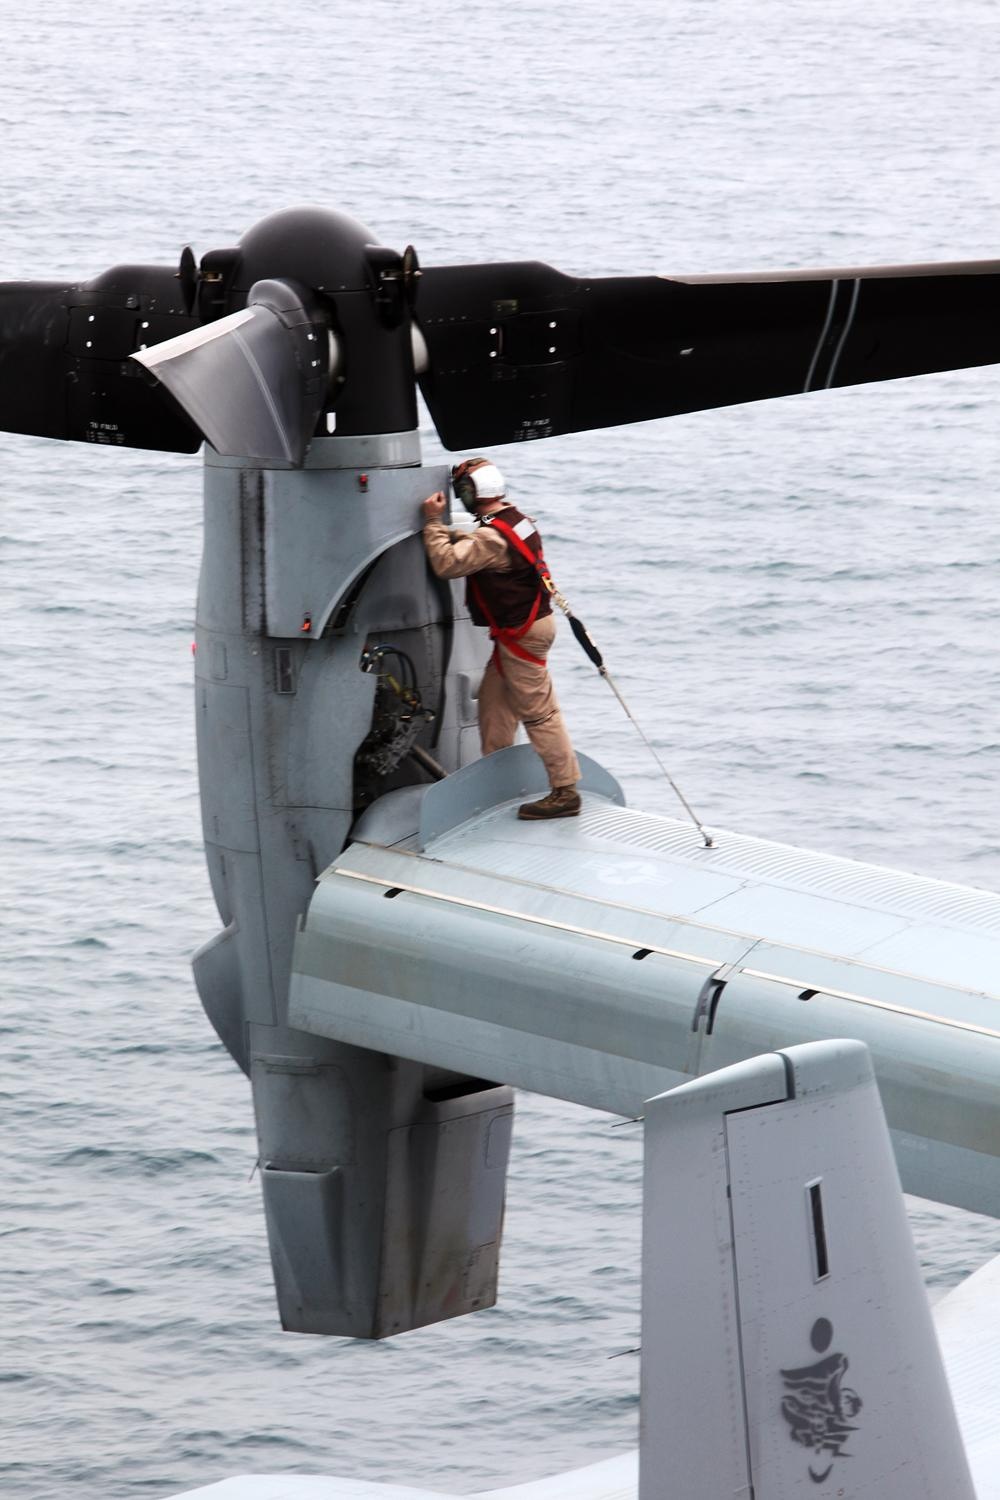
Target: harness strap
<point>538,562</point>
<point>508,635</point>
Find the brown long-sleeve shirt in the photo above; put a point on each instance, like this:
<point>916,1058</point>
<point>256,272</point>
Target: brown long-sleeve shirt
<point>456,554</point>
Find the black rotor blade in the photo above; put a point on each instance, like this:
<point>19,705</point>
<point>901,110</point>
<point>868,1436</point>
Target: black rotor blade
<point>65,370</point>
<point>254,382</point>
<point>520,351</point>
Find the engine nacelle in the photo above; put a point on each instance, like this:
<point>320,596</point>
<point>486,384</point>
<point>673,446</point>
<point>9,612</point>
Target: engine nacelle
<point>383,1178</point>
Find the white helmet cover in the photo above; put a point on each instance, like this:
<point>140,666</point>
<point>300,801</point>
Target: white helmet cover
<point>488,481</point>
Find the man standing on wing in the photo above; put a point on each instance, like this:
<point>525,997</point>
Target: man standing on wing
<point>502,564</point>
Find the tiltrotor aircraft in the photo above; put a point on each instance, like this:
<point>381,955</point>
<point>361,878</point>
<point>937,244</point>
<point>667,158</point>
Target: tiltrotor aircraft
<point>398,951</point>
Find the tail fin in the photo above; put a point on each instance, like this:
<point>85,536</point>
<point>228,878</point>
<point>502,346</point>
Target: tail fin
<point>788,1347</point>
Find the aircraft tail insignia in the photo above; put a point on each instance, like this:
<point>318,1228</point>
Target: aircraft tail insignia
<point>787,1344</point>
<point>818,1405</point>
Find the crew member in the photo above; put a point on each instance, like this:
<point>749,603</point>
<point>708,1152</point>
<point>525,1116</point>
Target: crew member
<point>502,564</point>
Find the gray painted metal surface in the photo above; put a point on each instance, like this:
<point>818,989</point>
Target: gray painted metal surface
<point>383,1178</point>
<point>787,1342</point>
<point>967,1321</point>
<point>605,958</point>
<point>510,776</point>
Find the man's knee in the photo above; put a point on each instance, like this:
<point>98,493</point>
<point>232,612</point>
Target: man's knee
<point>541,721</point>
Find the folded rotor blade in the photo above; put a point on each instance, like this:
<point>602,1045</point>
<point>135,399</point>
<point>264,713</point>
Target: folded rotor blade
<point>253,382</point>
<point>520,351</point>
<point>64,367</point>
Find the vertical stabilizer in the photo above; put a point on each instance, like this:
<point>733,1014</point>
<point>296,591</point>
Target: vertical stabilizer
<point>787,1343</point>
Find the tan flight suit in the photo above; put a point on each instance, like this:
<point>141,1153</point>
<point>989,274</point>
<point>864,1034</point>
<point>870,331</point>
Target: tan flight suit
<point>523,692</point>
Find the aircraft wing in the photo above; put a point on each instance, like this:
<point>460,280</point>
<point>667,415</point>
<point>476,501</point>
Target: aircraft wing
<point>605,960</point>
<point>610,1479</point>
<point>303,1487</point>
<point>519,351</point>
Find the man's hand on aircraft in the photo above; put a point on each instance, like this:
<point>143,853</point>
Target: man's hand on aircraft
<point>434,506</point>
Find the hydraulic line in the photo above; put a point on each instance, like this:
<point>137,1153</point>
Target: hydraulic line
<point>385,649</point>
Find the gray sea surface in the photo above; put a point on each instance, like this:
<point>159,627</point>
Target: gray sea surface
<point>799,600</point>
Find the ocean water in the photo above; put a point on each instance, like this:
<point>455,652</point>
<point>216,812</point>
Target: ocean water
<point>799,600</point>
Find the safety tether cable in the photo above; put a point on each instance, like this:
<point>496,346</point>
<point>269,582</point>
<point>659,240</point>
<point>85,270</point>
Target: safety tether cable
<point>580,631</point>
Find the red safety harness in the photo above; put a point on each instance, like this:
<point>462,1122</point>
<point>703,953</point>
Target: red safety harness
<point>505,635</point>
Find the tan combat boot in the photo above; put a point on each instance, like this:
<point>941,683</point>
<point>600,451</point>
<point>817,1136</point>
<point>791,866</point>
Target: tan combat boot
<point>561,802</point>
